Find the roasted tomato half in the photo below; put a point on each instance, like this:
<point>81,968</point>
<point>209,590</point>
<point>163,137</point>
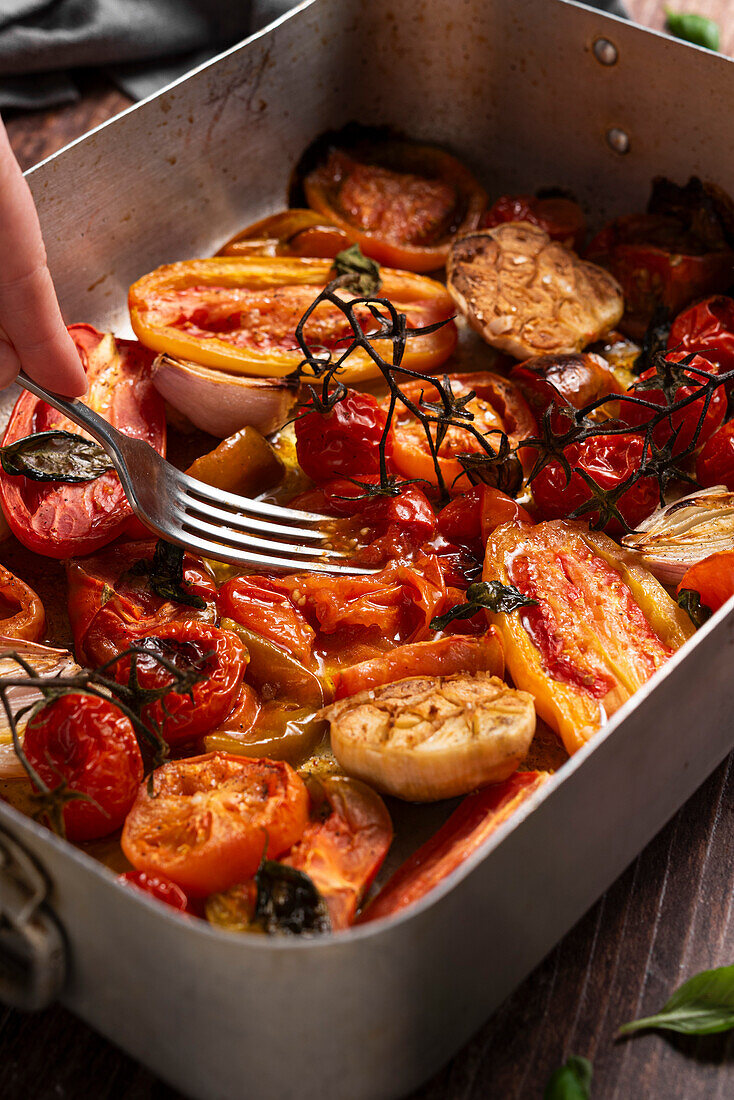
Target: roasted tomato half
<point>218,656</point>
<point>88,747</point>
<point>60,519</point>
<point>344,844</point>
<point>112,603</point>
<point>241,315</point>
<point>561,218</point>
<point>209,820</point>
<point>21,612</point>
<point>402,202</point>
<point>496,407</point>
<point>290,233</point>
<point>712,579</point>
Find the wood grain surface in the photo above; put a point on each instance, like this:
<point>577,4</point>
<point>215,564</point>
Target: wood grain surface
<point>668,916</point>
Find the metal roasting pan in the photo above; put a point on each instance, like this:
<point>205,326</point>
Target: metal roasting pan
<point>523,94</point>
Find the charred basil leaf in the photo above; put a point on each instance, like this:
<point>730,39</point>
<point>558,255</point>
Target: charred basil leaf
<point>502,470</point>
<point>690,601</point>
<point>365,273</point>
<point>55,456</point>
<point>287,902</point>
<point>165,575</point>
<point>489,595</point>
<point>571,1081</point>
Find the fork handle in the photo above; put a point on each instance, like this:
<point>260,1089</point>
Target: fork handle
<point>81,414</point>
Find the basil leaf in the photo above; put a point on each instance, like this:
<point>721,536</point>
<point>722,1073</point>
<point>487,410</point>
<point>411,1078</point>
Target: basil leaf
<point>365,273</point>
<point>489,595</point>
<point>571,1081</point>
<point>693,28</point>
<point>166,575</point>
<point>690,601</point>
<point>288,902</point>
<point>55,456</point>
<point>704,1005</point>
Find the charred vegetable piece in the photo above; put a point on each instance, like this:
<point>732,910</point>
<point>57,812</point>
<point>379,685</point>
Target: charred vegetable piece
<point>55,456</point>
<point>428,738</point>
<point>478,816</point>
<point>244,463</point>
<point>287,901</point>
<point>528,295</point>
<point>274,672</point>
<point>601,626</point>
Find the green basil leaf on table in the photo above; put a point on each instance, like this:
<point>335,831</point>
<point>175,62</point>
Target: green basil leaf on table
<point>55,456</point>
<point>571,1081</point>
<point>704,1005</point>
<point>694,28</point>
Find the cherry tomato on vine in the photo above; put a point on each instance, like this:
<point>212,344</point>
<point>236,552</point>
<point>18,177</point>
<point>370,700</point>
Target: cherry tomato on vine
<point>686,420</point>
<point>344,441</point>
<point>608,460</point>
<point>219,654</point>
<point>159,887</point>
<point>708,329</point>
<point>89,745</point>
<point>715,463</point>
<point>472,516</point>
<point>210,820</point>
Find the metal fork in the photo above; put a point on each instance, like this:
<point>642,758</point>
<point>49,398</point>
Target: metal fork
<point>208,521</point>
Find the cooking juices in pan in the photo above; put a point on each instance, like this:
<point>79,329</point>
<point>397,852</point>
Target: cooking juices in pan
<point>238,745</point>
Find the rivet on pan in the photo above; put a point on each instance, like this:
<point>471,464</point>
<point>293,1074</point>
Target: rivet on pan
<point>605,52</point>
<point>618,140</point>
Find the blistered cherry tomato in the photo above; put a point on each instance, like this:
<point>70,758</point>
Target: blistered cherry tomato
<point>608,460</point>
<point>685,420</point>
<point>343,442</point>
<point>715,463</point>
<point>219,654</point>
<point>89,745</point>
<point>159,887</point>
<point>477,512</point>
<point>708,329</point>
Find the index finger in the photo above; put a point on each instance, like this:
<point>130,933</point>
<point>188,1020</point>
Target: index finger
<point>29,309</point>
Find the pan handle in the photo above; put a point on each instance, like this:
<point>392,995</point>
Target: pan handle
<point>32,948</point>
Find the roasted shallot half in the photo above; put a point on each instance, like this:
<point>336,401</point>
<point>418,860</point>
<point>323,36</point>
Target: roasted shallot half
<point>680,534</point>
<point>433,737</point>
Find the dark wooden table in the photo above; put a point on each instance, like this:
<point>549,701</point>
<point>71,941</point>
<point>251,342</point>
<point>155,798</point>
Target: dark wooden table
<point>668,916</point>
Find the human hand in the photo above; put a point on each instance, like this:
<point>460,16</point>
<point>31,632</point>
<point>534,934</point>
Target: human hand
<point>32,333</point>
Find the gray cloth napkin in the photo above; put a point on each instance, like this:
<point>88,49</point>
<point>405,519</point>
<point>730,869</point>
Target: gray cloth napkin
<point>141,44</point>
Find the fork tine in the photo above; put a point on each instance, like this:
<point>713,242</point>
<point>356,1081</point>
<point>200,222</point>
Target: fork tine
<point>237,538</point>
<point>245,504</point>
<point>246,522</point>
<point>191,541</point>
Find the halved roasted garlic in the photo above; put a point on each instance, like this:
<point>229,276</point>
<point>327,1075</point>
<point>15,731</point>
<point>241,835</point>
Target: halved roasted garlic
<point>528,295</point>
<point>433,737</point>
<point>677,536</point>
